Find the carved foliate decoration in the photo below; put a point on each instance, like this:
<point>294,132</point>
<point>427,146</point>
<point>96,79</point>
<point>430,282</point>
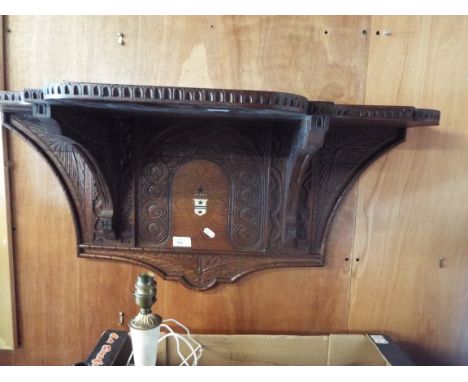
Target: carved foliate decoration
<point>285,164</point>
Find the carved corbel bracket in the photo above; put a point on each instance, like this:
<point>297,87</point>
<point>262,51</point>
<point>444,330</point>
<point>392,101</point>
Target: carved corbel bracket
<point>273,168</point>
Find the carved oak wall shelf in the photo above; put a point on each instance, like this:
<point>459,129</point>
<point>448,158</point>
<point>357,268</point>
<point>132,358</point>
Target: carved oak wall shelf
<point>203,185</point>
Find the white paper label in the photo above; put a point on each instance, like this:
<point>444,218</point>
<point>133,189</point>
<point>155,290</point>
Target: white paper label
<point>208,232</point>
<point>379,339</point>
<point>181,241</point>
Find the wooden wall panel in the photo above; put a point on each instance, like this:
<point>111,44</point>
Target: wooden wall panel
<point>2,58</point>
<point>8,335</point>
<point>60,295</point>
<point>412,207</point>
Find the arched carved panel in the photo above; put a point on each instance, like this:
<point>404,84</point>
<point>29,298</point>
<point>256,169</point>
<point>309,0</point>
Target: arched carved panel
<point>227,148</point>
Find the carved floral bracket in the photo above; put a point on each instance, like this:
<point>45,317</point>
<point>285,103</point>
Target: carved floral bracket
<point>287,162</point>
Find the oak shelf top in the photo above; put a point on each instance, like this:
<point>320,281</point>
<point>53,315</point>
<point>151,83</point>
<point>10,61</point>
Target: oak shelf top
<point>135,98</point>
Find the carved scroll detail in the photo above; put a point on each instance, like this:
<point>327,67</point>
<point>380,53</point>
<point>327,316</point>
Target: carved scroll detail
<point>345,154</point>
<point>74,166</point>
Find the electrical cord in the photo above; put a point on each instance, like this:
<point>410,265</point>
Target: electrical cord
<point>196,349</point>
